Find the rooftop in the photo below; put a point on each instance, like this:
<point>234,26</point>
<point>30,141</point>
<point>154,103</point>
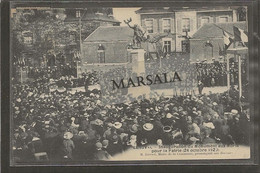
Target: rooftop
<point>111,33</point>
<point>215,30</point>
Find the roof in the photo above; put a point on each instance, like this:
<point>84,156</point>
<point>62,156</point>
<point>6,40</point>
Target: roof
<point>180,8</point>
<point>90,17</point>
<point>215,30</point>
<point>111,33</point>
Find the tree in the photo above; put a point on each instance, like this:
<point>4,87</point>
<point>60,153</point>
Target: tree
<point>44,25</point>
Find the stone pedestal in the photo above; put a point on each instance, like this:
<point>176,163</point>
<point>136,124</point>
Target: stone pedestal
<point>138,67</point>
<point>137,56</point>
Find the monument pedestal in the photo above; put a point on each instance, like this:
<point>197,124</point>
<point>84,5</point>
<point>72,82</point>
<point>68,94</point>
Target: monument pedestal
<point>137,56</point>
<point>138,67</point>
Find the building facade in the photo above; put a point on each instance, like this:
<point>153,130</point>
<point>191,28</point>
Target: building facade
<point>182,23</point>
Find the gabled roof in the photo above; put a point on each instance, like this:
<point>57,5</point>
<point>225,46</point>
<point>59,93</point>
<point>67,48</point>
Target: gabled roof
<point>111,33</point>
<point>215,30</point>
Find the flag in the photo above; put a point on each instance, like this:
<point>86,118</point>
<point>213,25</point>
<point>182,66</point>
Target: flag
<point>240,35</point>
<point>227,39</point>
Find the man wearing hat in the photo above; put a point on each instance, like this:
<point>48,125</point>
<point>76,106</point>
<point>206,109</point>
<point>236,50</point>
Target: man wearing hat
<point>105,144</point>
<point>167,137</point>
<point>115,146</point>
<point>208,139</point>
<point>237,130</point>
<point>167,120</point>
<point>200,87</point>
<point>101,154</point>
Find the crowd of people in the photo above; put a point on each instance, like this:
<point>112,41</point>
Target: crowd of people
<point>54,72</point>
<point>56,125</point>
<point>64,126</point>
<point>212,74</point>
<point>170,65</point>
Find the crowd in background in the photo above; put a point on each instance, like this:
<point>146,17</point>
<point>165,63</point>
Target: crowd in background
<point>212,74</point>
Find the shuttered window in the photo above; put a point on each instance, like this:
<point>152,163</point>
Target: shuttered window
<point>166,25</point>
<point>223,19</point>
<point>185,25</point>
<point>149,25</point>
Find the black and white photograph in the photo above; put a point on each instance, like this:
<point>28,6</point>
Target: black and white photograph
<point>106,84</point>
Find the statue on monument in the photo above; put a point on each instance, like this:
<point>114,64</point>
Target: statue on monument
<point>139,34</point>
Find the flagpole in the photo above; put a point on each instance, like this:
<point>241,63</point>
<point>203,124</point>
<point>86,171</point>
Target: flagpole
<point>228,73</point>
<point>239,79</point>
<point>21,71</point>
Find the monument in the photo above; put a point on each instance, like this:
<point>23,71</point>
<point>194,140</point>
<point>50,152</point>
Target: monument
<point>137,55</point>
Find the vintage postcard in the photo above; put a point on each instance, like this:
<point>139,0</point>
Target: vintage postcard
<point>128,84</point>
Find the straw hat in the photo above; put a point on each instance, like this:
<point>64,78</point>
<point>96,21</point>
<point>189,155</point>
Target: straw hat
<point>233,111</point>
<point>148,126</point>
<point>61,89</point>
<point>167,129</point>
<point>117,125</point>
<point>169,115</point>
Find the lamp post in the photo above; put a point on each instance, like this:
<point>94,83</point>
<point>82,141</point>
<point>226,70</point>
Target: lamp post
<point>128,49</point>
<point>209,44</point>
<point>77,60</point>
<point>101,53</point>
<point>78,15</point>
<point>78,57</point>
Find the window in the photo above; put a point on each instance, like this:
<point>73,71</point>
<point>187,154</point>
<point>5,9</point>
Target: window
<point>77,14</point>
<point>167,46</point>
<point>27,38</point>
<point>166,25</point>
<point>149,25</point>
<point>204,20</point>
<point>186,25</point>
<point>223,19</point>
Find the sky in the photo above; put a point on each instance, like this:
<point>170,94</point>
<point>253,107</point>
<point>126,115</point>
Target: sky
<point>122,14</point>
